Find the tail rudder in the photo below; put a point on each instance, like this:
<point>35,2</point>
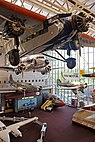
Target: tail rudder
<point>63,76</point>
<point>11,79</point>
<point>82,72</point>
<point>58,82</point>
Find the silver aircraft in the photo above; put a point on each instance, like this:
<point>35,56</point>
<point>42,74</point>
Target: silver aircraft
<point>24,86</point>
<point>34,62</point>
<point>14,129</point>
<point>76,87</point>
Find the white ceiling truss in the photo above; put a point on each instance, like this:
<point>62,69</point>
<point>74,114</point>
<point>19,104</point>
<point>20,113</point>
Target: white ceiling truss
<point>58,6</point>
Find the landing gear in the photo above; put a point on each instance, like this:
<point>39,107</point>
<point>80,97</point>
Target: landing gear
<point>13,28</point>
<point>14,57</point>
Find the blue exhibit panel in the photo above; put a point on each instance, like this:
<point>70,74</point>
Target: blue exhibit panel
<point>27,103</point>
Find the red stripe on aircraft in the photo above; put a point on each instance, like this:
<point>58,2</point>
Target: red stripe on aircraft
<point>87,36</point>
<point>22,10</point>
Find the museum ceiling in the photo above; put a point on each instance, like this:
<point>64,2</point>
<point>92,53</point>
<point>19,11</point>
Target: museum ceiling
<point>52,7</point>
<point>49,8</point>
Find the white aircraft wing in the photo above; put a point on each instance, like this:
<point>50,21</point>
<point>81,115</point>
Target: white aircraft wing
<point>10,89</point>
<point>4,131</point>
<point>6,68</point>
<point>14,127</point>
<point>4,134</point>
<point>69,88</point>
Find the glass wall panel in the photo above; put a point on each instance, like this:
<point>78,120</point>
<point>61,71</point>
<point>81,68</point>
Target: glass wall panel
<point>83,62</point>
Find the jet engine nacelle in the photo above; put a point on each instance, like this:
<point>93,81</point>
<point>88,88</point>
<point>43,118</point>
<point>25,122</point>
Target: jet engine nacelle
<point>46,70</point>
<point>20,68</point>
<point>16,132</point>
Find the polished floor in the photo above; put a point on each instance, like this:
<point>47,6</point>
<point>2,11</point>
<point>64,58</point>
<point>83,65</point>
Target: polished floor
<point>60,127</point>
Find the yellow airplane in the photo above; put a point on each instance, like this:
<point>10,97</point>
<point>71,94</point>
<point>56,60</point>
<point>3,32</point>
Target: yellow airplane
<point>90,75</point>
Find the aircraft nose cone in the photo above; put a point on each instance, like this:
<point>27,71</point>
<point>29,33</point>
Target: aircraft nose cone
<point>47,62</point>
<point>62,104</point>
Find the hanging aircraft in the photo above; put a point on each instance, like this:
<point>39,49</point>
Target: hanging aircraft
<point>34,62</point>
<point>76,87</point>
<point>38,34</point>
<point>24,86</point>
<point>14,129</point>
<point>35,78</point>
<point>89,75</point>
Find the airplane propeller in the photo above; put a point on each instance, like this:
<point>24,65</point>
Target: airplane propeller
<point>46,70</point>
<point>20,69</point>
<point>80,21</point>
<point>14,26</point>
<point>63,76</point>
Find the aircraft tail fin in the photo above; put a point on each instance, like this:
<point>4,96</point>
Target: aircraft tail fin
<point>11,79</point>
<point>58,82</point>
<point>82,72</point>
<point>63,76</point>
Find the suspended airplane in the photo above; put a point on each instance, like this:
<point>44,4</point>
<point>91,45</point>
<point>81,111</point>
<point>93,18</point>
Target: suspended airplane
<point>36,62</point>
<point>39,34</point>
<point>76,87</point>
<point>14,129</point>
<point>24,86</point>
<point>89,75</point>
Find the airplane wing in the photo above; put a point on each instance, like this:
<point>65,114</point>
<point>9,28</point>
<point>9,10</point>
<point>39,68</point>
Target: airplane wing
<point>69,88</point>
<point>6,68</point>
<point>31,18</point>
<point>4,134</point>
<point>10,89</point>
<point>4,131</point>
<point>14,127</point>
<point>86,40</point>
<point>30,22</point>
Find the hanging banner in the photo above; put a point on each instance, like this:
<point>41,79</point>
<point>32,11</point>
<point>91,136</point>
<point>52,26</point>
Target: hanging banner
<point>71,75</point>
